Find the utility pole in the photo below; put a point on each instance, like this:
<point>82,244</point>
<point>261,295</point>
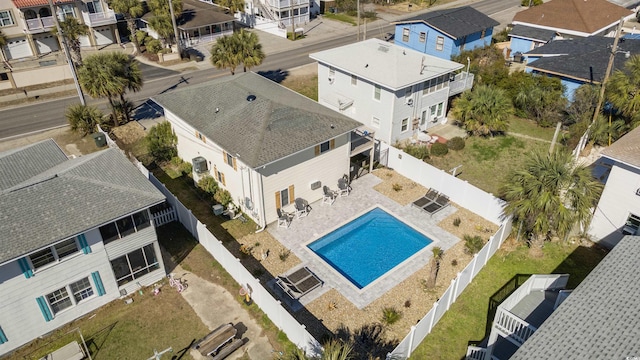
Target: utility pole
<point>358,11</point>
<point>65,48</point>
<point>293,22</point>
<point>175,27</point>
<point>614,49</point>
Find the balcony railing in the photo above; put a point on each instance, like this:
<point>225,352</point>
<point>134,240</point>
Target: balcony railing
<point>40,24</point>
<point>101,18</point>
<point>461,83</point>
<point>361,140</point>
<point>285,4</point>
<point>512,326</point>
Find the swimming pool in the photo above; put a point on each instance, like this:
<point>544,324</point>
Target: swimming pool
<point>368,247</point>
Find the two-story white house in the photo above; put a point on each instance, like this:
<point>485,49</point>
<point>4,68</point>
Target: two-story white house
<point>75,234</point>
<point>618,211</point>
<point>265,144</point>
<point>391,89</point>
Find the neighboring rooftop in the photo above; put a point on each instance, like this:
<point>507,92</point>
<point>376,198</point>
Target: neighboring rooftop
<point>456,23</point>
<point>532,33</point>
<point>18,165</point>
<point>388,65</point>
<point>599,320</point>
<point>254,118</point>
<point>31,3</point>
<point>196,14</point>
<point>581,16</point>
<point>626,149</point>
<point>67,198</point>
<point>584,59</point>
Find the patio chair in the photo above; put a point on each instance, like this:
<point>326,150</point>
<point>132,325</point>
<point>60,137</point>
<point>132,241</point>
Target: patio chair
<point>441,202</point>
<point>302,207</point>
<point>343,187</point>
<point>284,218</point>
<point>428,198</point>
<point>329,196</point>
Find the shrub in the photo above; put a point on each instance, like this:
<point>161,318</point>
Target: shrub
<point>456,143</point>
<point>407,304</point>
<point>161,142</point>
<point>390,316</point>
<point>472,244</point>
<point>141,36</point>
<point>154,46</point>
<point>417,151</point>
<point>284,255</point>
<point>454,262</point>
<point>223,197</point>
<point>396,187</point>
<point>456,222</point>
<point>528,3</point>
<point>186,168</point>
<point>83,119</point>
<point>439,149</point>
<point>208,184</point>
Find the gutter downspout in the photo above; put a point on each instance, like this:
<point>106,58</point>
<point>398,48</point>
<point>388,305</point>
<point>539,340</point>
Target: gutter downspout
<point>264,212</point>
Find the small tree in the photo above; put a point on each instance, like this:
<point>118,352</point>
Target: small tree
<point>483,111</point>
<point>223,197</point>
<point>72,30</point>
<point>208,184</point>
<point>438,253</point>
<point>83,119</point>
<point>162,141</point>
<point>226,53</point>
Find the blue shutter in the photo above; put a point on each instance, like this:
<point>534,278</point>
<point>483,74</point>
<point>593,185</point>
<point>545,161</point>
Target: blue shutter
<point>24,266</point>
<point>98,282</point>
<point>83,244</point>
<point>42,303</point>
<point>3,337</point>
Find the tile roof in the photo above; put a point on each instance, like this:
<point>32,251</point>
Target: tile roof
<point>599,320</point>
<point>18,165</point>
<point>456,22</point>
<point>585,16</point>
<point>69,198</point>
<point>275,124</point>
<point>389,65</point>
<point>584,59</point>
<point>33,3</point>
<point>626,149</point>
<point>534,33</point>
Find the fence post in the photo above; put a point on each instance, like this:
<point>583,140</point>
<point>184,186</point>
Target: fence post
<point>412,334</point>
<point>451,296</point>
<point>455,288</point>
<point>473,267</point>
<point>435,306</point>
<point>489,253</point>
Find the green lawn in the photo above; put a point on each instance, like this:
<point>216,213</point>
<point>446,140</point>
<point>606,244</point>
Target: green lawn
<point>467,318</point>
<point>341,17</point>
<point>530,128</point>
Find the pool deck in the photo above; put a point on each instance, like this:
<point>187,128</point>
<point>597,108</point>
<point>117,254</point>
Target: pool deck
<point>324,218</point>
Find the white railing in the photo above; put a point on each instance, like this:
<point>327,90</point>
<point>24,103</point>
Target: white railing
<point>164,216</point>
<point>40,24</point>
<point>535,283</point>
<point>461,83</point>
<point>284,4</point>
<point>101,18</point>
<point>475,353</point>
<point>512,326</point>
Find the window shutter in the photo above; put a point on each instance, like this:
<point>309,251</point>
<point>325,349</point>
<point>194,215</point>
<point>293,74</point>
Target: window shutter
<point>98,282</point>
<point>42,304</point>
<point>235,167</point>
<point>222,179</point>
<point>292,195</point>
<point>278,202</point>
<point>3,337</point>
<point>224,157</point>
<point>317,150</point>
<point>86,249</point>
<point>332,144</point>
<point>25,267</point>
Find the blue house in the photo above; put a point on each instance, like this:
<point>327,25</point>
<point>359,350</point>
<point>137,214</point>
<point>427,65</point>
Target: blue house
<point>445,33</point>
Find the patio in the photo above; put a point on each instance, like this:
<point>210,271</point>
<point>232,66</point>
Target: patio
<point>324,218</point>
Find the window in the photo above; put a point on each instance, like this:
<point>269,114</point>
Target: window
<point>220,177</point>
<point>53,253</point>
<point>201,137</point>
<point>59,300</point>
<point>375,122</point>
<point>423,37</point>
<point>376,92</point>
<point>440,107</point>
<point>4,77</point>
<point>135,264</point>
<point>66,248</point>
<point>5,18</point>
<point>432,112</point>
<point>425,87</point>
<point>405,34</point>
<point>405,125</point>
<point>440,43</point>
<point>124,226</point>
<point>229,160</point>
<point>325,146</point>
<point>65,11</point>
<point>354,80</point>
<point>81,289</point>
<point>284,197</point>
<point>423,119</point>
<point>94,7</point>
<point>42,258</point>
<point>407,92</point>
<point>632,225</point>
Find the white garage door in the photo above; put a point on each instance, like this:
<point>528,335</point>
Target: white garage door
<point>18,48</point>
<point>46,44</point>
<point>103,36</point>
<point>84,41</point>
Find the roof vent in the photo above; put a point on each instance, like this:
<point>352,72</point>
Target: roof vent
<point>250,98</point>
<point>383,48</point>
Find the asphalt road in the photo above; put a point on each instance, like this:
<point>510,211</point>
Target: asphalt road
<point>23,120</point>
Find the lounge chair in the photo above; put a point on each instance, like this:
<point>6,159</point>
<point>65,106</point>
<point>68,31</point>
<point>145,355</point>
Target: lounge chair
<point>428,198</point>
<point>329,196</point>
<point>441,202</point>
<point>298,283</point>
<point>343,187</point>
<point>302,207</point>
<point>284,218</point>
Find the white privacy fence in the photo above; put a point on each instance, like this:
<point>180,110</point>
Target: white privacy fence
<point>295,331</point>
<point>459,191</point>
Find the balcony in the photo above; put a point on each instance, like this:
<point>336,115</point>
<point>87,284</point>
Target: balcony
<point>460,83</point>
<point>361,140</point>
<point>99,19</point>
<point>39,25</point>
<point>285,4</point>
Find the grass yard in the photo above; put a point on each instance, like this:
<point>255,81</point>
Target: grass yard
<point>530,128</point>
<point>466,320</point>
<point>119,331</point>
<point>306,85</point>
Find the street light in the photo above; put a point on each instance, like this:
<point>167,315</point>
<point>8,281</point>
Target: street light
<point>467,77</point>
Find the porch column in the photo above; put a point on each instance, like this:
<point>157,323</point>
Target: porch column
<point>116,33</point>
<point>34,48</point>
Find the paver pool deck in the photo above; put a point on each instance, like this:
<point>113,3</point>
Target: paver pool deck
<point>324,218</point>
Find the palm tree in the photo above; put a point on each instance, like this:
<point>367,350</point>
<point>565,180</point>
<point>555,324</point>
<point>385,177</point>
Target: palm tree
<point>161,20</point>
<point>72,30</point>
<point>550,194</point>
<point>251,49</point>
<point>623,89</point>
<point>83,119</point>
<point>333,350</point>
<point>130,9</point>
<point>225,53</point>
<point>438,253</point>
<point>234,6</point>
<point>483,111</point>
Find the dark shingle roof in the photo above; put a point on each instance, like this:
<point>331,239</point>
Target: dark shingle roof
<point>276,124</point>
<point>626,149</point>
<point>21,164</point>
<point>457,22</point>
<point>196,13</point>
<point>581,58</point>
<point>599,320</point>
<point>529,32</point>
<point>69,198</point>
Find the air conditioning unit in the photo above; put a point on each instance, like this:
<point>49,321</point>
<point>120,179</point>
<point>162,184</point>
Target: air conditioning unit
<point>409,101</point>
<point>199,165</point>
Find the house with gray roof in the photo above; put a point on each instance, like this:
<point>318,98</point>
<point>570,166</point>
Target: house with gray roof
<point>394,91</point>
<point>75,234</point>
<point>445,33</point>
<point>618,211</point>
<point>265,144</point>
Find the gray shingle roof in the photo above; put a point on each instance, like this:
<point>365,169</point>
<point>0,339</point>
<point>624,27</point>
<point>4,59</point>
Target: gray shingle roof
<point>626,149</point>
<point>599,320</point>
<point>197,13</point>
<point>581,58</point>
<point>276,124</point>
<point>457,22</point>
<point>18,165</point>
<point>70,198</point>
<point>529,32</point>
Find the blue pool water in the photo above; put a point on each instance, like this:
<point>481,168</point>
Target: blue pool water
<point>369,246</point>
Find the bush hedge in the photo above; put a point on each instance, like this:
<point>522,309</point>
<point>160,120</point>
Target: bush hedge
<point>439,149</point>
<point>457,143</point>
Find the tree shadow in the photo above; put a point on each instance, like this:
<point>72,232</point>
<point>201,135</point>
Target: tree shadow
<point>368,341</point>
<point>96,341</point>
<point>275,75</point>
<point>182,352</point>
